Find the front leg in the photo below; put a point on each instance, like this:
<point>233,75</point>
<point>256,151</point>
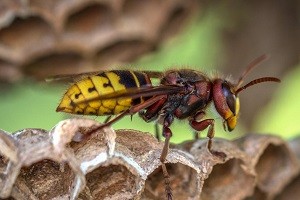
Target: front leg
<point>202,125</point>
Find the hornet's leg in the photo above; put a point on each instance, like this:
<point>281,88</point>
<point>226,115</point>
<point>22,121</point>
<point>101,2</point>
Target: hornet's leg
<point>167,133</point>
<point>107,119</point>
<point>157,135</point>
<point>198,116</point>
<point>152,113</point>
<point>202,125</point>
<point>196,135</point>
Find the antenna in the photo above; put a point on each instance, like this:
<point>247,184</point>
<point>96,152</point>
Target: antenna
<point>257,81</point>
<point>251,66</point>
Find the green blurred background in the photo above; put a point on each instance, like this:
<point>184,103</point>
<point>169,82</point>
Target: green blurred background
<point>31,104</point>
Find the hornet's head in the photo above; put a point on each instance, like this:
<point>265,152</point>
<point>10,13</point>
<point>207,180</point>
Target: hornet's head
<point>226,102</point>
<point>225,94</point>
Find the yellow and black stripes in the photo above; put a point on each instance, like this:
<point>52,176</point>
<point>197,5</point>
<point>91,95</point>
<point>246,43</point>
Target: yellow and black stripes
<point>80,97</point>
<point>133,79</point>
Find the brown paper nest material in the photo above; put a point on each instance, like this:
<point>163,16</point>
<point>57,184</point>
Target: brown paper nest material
<point>41,39</point>
<point>124,164</point>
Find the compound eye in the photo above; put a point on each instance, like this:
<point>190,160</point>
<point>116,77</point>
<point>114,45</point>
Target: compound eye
<point>230,97</point>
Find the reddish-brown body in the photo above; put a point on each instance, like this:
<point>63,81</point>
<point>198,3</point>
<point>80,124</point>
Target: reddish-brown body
<point>190,103</point>
<point>187,104</point>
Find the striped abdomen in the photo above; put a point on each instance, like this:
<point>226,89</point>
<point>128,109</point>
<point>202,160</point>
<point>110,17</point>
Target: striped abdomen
<point>103,83</point>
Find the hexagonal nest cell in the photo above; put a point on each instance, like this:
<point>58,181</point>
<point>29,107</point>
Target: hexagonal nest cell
<point>183,181</point>
<point>47,179</point>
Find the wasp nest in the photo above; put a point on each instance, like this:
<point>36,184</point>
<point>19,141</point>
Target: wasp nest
<point>124,164</point>
<point>40,38</point>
